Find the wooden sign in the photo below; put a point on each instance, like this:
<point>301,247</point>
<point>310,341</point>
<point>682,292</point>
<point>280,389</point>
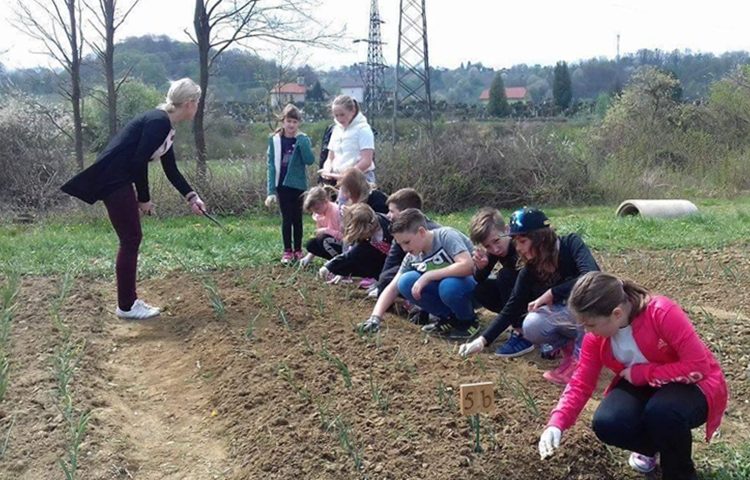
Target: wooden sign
<point>477,398</point>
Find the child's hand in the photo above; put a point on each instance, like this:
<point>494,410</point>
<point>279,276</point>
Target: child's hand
<point>270,200</point>
<point>545,299</point>
<point>480,258</point>
<point>549,441</point>
<point>627,375</point>
<point>473,347</point>
<point>416,289</point>
<point>323,273</point>
<point>306,260</point>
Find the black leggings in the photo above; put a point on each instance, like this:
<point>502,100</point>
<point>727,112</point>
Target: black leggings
<point>324,246</point>
<point>648,420</point>
<point>290,204</point>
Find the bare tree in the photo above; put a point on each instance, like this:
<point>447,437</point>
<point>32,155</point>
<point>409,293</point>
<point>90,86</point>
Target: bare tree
<point>286,59</point>
<point>107,19</point>
<point>57,25</point>
<point>220,24</point>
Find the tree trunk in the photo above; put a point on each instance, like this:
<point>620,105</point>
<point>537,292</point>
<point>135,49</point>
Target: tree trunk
<point>109,65</point>
<point>202,34</point>
<point>75,82</point>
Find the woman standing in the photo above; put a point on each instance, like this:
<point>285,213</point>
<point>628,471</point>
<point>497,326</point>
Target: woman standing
<point>352,142</point>
<point>124,163</point>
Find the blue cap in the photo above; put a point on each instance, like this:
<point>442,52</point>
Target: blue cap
<point>527,219</point>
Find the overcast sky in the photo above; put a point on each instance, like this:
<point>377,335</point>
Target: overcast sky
<point>495,32</point>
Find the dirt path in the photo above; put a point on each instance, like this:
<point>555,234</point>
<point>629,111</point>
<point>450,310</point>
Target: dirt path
<point>157,405</point>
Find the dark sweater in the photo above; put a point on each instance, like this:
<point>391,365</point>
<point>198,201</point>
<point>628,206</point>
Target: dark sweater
<point>509,261</point>
<point>574,260</point>
<point>125,161</point>
<point>377,201</point>
<point>346,261</point>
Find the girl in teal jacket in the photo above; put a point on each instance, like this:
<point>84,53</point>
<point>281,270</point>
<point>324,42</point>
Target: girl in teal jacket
<point>289,152</point>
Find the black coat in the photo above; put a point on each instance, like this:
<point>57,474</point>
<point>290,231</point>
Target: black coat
<point>573,260</point>
<point>125,161</point>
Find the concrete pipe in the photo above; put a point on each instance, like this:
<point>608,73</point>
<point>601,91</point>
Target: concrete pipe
<point>656,208</point>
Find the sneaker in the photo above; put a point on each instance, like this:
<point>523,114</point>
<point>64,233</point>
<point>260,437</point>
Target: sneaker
<point>564,372</point>
<point>515,346</point>
<point>548,352</point>
<point>371,325</point>
<point>298,255</point>
<point>465,331</point>
<point>139,311</point>
<point>287,257</point>
<point>642,463</point>
<point>441,326</point>
<point>366,283</point>
<point>373,292</point>
<point>418,316</point>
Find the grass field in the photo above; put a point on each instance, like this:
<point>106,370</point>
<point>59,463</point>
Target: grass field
<point>54,245</point>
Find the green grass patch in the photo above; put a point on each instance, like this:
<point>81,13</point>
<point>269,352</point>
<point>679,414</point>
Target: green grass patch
<point>58,244</point>
<point>719,223</point>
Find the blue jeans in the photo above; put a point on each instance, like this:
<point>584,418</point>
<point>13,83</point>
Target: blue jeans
<point>448,297</point>
<point>555,325</point>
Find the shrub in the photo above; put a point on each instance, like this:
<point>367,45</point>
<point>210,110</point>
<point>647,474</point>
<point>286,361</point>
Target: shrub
<point>465,166</point>
<point>35,154</point>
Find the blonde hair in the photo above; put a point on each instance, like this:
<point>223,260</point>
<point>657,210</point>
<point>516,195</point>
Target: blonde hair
<point>180,92</point>
<point>360,223</point>
<point>597,294</point>
<point>356,185</point>
<point>347,102</point>
<point>483,222</point>
<point>316,196</point>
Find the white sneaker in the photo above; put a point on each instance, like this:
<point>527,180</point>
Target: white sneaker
<point>372,293</point>
<point>139,311</point>
<point>642,463</point>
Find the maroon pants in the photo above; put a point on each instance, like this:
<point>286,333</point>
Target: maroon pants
<point>122,208</point>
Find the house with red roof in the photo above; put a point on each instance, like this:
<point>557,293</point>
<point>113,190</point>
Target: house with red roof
<point>288,93</point>
<point>513,94</point>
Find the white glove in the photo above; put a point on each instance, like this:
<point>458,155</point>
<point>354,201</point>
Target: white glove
<point>306,260</point>
<point>323,273</point>
<point>473,347</point>
<point>549,441</point>
<point>270,200</point>
<point>335,280</point>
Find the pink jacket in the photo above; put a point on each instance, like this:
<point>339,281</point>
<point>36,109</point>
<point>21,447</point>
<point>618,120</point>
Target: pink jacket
<point>330,220</point>
<point>675,353</point>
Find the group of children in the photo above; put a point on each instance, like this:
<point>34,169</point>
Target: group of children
<point>548,290</point>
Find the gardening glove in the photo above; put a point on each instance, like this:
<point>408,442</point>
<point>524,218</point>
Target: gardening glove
<point>306,260</point>
<point>335,280</point>
<point>371,325</point>
<point>270,200</point>
<point>473,347</point>
<point>197,205</point>
<point>549,441</point>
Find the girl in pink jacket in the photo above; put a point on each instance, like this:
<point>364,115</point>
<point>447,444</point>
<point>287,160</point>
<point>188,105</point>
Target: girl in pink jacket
<point>328,240</point>
<point>667,381</point>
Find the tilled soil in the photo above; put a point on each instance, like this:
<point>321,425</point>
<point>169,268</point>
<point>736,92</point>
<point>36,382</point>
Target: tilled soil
<point>280,386</point>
